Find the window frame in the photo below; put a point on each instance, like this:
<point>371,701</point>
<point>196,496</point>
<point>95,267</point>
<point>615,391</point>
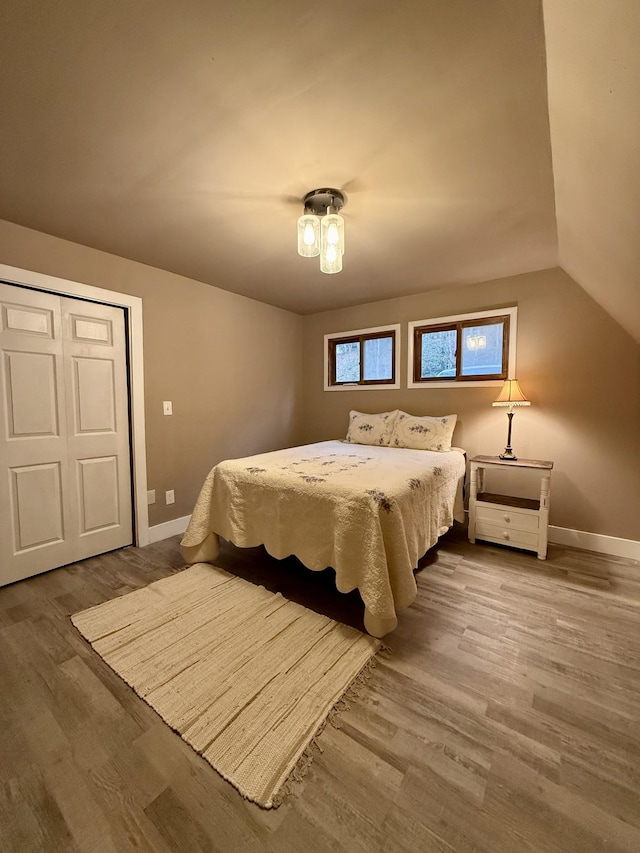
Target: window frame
<point>459,322</point>
<point>361,335</point>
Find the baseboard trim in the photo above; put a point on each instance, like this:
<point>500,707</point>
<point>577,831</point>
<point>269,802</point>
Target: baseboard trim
<point>168,528</point>
<point>611,545</point>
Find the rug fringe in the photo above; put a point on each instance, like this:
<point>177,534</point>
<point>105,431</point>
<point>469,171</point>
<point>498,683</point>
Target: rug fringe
<point>314,747</point>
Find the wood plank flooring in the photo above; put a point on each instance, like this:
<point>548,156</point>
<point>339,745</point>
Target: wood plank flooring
<point>505,718</point>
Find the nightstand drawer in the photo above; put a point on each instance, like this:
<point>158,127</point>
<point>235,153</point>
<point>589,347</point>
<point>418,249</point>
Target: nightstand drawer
<point>506,517</point>
<point>507,535</point>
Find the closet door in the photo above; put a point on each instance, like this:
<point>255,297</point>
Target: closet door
<point>97,417</point>
<point>65,483</point>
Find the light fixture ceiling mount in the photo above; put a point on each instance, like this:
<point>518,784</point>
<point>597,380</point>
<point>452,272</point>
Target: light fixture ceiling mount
<point>321,228</point>
<point>319,201</point>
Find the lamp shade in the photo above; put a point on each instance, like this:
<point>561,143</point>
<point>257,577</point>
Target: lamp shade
<point>511,395</point>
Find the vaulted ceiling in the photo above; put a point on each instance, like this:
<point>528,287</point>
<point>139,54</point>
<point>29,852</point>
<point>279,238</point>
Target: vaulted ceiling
<point>184,135</point>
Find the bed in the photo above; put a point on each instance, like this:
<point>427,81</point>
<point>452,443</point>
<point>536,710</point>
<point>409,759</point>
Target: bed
<point>368,511</point>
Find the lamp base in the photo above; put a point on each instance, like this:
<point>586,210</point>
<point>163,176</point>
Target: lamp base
<point>509,455</point>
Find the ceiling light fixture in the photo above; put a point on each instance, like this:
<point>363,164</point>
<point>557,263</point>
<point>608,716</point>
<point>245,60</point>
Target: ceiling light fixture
<point>321,228</point>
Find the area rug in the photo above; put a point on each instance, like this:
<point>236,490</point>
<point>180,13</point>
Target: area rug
<point>246,677</point>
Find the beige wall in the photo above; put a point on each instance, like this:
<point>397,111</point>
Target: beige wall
<point>233,370</point>
<point>579,368</point>
<point>230,365</point>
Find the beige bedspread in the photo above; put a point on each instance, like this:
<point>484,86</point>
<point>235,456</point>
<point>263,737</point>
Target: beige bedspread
<point>370,512</point>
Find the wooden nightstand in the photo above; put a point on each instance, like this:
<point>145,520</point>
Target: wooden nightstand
<point>517,522</point>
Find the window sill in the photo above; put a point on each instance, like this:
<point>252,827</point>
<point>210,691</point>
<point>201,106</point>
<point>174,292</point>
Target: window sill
<point>481,383</point>
<point>355,387</point>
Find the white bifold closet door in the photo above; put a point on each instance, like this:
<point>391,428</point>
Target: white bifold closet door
<point>65,474</point>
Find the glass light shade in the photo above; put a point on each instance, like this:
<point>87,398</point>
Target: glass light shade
<point>330,258</point>
<point>511,395</point>
<point>309,235</point>
<point>332,230</point>
<point>331,243</point>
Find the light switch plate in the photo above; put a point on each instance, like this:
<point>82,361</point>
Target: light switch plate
<point>167,407</point>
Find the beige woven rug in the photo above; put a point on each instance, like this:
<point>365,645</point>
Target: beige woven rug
<point>245,677</point>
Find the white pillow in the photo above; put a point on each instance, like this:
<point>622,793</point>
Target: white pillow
<point>423,433</point>
<point>371,429</point>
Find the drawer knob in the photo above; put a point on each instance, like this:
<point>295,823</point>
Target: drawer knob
<point>507,518</point>
<point>505,533</point>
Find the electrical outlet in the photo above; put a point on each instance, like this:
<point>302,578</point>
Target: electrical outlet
<point>167,407</point>
<point>170,497</point>
<point>151,496</point>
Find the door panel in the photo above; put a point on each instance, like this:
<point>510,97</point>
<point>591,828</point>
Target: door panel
<point>32,320</point>
<point>65,479</point>
<point>99,494</point>
<point>31,394</point>
<point>94,395</point>
<point>36,506</point>
<point>91,329</point>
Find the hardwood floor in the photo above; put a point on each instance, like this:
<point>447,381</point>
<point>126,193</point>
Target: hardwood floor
<point>505,718</point>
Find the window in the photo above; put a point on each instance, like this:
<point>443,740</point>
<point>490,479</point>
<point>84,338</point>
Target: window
<point>364,358</point>
<point>467,349</point>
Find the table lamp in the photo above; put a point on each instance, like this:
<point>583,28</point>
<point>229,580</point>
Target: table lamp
<point>510,395</point>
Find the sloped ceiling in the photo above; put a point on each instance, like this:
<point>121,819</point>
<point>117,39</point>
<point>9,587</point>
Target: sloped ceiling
<point>184,135</point>
<point>593,49</point>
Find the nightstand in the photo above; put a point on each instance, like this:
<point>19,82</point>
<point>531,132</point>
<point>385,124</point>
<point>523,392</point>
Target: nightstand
<point>516,522</point>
